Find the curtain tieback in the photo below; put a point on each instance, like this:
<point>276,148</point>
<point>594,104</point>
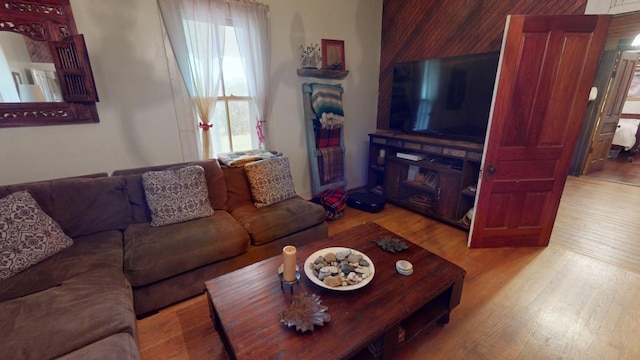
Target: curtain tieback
<point>260,130</point>
<point>205,127</point>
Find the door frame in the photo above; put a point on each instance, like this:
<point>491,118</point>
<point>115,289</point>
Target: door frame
<point>581,152</point>
<point>615,95</point>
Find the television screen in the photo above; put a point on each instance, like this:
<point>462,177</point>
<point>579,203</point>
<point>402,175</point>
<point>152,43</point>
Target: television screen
<point>445,97</point>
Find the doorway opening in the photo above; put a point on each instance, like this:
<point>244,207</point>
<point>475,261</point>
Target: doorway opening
<point>595,158</point>
<point>621,162</point>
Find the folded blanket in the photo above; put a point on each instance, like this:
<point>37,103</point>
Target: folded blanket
<point>331,164</point>
<point>241,158</point>
<point>331,121</point>
<point>326,101</point>
<point>327,137</point>
<point>334,202</point>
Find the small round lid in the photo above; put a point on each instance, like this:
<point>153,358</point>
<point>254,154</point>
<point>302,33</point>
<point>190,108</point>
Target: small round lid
<point>404,265</point>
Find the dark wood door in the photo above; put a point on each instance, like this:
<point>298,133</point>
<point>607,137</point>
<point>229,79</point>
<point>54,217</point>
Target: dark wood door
<point>620,78</point>
<point>547,68</point>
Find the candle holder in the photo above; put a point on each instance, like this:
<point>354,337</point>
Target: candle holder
<point>290,284</point>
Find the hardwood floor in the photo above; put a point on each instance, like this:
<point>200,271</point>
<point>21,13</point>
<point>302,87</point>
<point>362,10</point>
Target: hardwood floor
<point>603,223</point>
<point>624,169</point>
<point>575,299</point>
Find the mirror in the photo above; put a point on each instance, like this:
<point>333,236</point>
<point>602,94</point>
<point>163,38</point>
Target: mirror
<point>27,72</point>
<point>45,74</point>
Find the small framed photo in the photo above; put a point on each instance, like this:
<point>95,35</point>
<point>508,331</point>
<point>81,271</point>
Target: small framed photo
<point>634,88</point>
<point>333,54</point>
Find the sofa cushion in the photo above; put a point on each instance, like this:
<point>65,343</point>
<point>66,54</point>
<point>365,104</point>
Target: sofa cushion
<point>176,195</point>
<point>238,188</point>
<point>156,253</point>
<point>80,311</point>
<point>87,206</point>
<point>270,180</point>
<point>217,187</point>
<point>121,346</point>
<point>137,201</point>
<point>284,218</point>
<point>27,234</point>
<point>90,252</point>
<point>41,190</point>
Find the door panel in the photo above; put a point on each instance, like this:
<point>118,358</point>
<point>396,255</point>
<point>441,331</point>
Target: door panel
<point>547,68</point>
<point>616,93</point>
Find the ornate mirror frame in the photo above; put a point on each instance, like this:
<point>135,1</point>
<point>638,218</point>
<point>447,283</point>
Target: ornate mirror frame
<point>52,21</point>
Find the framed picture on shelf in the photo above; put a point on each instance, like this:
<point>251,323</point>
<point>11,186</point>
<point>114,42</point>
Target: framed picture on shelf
<point>634,88</point>
<point>333,54</point>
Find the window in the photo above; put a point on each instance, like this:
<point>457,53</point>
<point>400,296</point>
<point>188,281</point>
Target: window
<point>222,50</point>
<point>232,115</point>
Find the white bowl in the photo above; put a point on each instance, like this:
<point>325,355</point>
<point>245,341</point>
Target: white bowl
<point>315,280</point>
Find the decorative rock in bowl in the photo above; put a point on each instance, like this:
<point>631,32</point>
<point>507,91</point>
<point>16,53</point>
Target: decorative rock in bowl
<point>339,268</point>
<point>304,312</point>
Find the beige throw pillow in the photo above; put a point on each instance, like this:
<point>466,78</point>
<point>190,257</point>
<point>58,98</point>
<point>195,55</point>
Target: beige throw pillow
<point>176,195</point>
<point>27,234</point>
<point>270,181</point>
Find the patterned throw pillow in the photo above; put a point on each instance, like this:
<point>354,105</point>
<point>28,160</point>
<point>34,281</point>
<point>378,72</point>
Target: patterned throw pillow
<point>27,235</point>
<point>270,181</point>
<point>177,195</point>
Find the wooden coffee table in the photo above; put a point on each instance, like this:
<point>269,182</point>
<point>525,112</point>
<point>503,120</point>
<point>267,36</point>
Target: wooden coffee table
<point>373,320</point>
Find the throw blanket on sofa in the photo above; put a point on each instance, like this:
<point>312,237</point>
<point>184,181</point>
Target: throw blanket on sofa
<point>241,158</point>
<point>326,101</point>
<point>331,163</point>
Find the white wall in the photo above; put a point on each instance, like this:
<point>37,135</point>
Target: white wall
<point>359,24</point>
<point>597,7</point>
<point>608,7</point>
<point>611,6</point>
<point>631,107</point>
<point>137,114</point>
<point>137,126</point>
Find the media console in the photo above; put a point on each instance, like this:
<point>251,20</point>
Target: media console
<point>432,176</point>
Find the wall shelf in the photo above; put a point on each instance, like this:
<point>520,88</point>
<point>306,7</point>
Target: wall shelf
<point>323,73</point>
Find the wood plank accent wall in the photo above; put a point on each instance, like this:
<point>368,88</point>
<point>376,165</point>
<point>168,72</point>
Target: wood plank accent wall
<point>421,29</point>
<point>624,26</point>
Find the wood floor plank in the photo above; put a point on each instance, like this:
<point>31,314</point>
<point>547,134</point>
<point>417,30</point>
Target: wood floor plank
<point>600,219</point>
<point>623,169</point>
<point>575,299</point>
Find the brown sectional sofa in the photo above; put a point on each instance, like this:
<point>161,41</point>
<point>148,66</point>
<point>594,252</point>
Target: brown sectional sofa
<point>82,303</point>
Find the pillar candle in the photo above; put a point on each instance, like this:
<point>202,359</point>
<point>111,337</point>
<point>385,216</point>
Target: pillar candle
<point>289,263</point>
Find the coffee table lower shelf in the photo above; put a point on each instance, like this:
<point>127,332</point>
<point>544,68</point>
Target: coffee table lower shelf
<point>436,311</point>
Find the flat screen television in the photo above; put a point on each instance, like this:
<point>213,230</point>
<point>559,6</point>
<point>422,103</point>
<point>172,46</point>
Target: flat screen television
<point>444,97</point>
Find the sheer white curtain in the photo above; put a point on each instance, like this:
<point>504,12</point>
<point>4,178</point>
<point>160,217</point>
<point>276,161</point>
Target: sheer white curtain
<point>196,31</point>
<point>252,26</point>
